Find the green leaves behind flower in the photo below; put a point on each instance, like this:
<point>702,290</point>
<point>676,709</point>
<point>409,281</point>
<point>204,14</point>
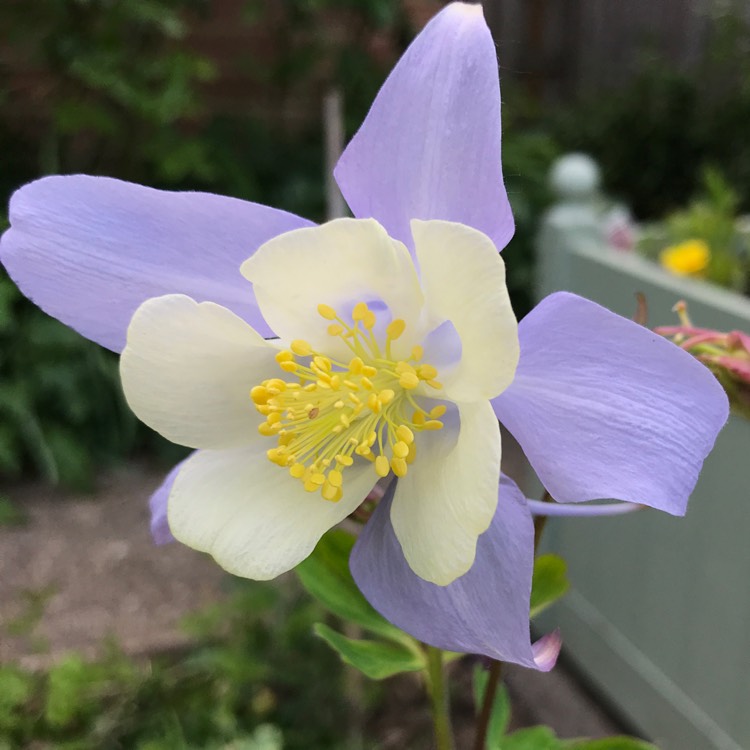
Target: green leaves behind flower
<point>543,738</point>
<point>326,577</point>
<point>549,583</point>
<point>535,738</point>
<point>377,659</point>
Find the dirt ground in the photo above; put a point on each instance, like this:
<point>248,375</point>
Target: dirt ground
<point>89,565</point>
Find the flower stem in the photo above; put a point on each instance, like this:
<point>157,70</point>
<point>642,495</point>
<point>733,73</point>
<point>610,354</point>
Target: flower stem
<point>483,722</point>
<point>440,700</point>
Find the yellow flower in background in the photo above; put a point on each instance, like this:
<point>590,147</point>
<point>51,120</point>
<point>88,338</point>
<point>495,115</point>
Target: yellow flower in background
<point>686,258</point>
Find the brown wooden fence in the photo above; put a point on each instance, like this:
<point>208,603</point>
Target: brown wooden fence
<point>560,48</point>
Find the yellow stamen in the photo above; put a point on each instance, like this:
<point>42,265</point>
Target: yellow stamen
<point>335,412</point>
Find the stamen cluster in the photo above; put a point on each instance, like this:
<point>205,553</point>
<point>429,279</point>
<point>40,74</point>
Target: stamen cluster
<point>335,411</point>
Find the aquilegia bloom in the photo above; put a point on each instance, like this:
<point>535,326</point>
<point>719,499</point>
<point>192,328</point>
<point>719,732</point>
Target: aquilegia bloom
<point>424,343</point>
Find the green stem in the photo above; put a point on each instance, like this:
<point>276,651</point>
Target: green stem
<point>483,722</point>
<point>440,701</point>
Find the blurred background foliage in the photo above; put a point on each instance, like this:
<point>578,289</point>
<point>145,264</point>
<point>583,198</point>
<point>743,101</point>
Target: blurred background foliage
<point>255,678</point>
<point>122,88</point>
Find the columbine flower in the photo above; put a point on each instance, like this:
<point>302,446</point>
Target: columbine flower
<point>690,258</point>
<point>602,407</point>
<point>376,371</point>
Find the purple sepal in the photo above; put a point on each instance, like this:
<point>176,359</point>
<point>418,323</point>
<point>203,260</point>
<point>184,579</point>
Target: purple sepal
<point>430,145</point>
<point>90,250</point>
<point>157,504</point>
<point>485,612</point>
<point>604,408</point>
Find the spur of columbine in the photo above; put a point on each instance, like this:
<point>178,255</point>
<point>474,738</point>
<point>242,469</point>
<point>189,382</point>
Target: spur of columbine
<point>377,370</point>
<point>602,407</point>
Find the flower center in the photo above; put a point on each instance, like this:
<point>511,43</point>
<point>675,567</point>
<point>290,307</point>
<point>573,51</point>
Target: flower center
<point>334,411</point>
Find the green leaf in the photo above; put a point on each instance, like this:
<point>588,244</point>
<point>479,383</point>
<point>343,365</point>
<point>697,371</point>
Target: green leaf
<point>609,743</point>
<point>326,577</point>
<point>376,659</point>
<point>536,738</point>
<point>550,582</point>
<point>16,689</point>
<point>500,716</point>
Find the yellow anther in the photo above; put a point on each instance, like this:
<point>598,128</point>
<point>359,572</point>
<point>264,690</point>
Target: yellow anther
<point>310,486</point>
<point>400,449</point>
<point>276,384</point>
<point>344,460</point>
<point>317,478</point>
<point>322,363</point>
<point>435,384</point>
<point>371,438</point>
<point>289,366</point>
<point>417,352</point>
<point>369,320</point>
<point>386,396</point>
<point>366,383</point>
<point>374,403</point>
<point>297,470</point>
<point>399,467</point>
<point>354,399</point>
<point>351,384</point>
<point>335,478</point>
<point>395,328</point>
<point>335,382</point>
<point>402,367</point>
<point>360,310</point>
<point>329,491</point>
<point>301,348</point>
<point>438,411</point>
<point>408,380</point>
<point>356,365</point>
<point>404,434</point>
<point>259,395</point>
<point>412,453</point>
<point>432,424</point>
<point>327,312</point>
<point>284,356</point>
<point>418,418</point>
<point>382,467</point>
<point>339,404</point>
<point>369,371</point>
<point>344,420</point>
<point>273,418</point>
<point>266,429</point>
<point>335,329</point>
<point>427,372</point>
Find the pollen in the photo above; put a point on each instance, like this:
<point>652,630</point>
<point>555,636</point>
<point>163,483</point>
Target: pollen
<point>336,411</point>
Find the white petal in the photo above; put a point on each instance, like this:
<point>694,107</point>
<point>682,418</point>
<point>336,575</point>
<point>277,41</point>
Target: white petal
<point>338,264</point>
<point>250,515</point>
<point>463,279</point>
<point>187,370</point>
<point>449,495</point>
